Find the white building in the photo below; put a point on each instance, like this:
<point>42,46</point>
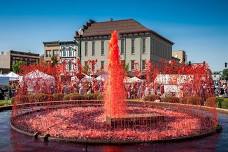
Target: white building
<point>137,43</point>
<point>65,51</point>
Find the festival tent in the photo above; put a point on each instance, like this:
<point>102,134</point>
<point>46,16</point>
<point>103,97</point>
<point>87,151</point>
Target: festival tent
<point>134,79</point>
<point>102,77</point>
<point>37,81</point>
<point>12,76</point>
<point>87,79</point>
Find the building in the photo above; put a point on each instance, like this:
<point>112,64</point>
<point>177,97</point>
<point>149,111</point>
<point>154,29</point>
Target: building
<point>65,51</point>
<point>7,59</point>
<point>181,55</point>
<point>137,43</point>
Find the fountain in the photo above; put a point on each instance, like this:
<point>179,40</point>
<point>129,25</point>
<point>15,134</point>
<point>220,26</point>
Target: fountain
<point>116,120</point>
<point>115,104</point>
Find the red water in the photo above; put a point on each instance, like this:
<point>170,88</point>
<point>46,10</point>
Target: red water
<point>115,106</point>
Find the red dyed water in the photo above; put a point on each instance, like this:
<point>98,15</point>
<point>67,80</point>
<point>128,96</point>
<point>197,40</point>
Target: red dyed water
<point>115,106</point>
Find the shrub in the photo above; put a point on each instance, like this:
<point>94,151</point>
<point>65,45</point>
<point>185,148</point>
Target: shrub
<point>40,97</point>
<point>21,99</point>
<point>151,98</point>
<point>171,99</point>
<point>67,97</point>
<point>211,102</point>
<point>57,96</point>
<point>194,100</point>
<point>76,96</point>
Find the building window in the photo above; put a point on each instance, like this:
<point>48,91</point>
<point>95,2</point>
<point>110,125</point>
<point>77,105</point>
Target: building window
<point>132,64</point>
<point>102,65</point>
<point>93,48</point>
<point>86,48</point>
<point>143,45</point>
<point>143,64</point>
<point>102,47</point>
<point>64,51</point>
<point>122,46</point>
<point>132,46</point>
<point>55,52</point>
<point>48,53</point>
<point>70,52</point>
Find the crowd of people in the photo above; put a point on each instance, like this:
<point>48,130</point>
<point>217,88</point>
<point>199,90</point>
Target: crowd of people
<point>221,90</point>
<point>132,90</point>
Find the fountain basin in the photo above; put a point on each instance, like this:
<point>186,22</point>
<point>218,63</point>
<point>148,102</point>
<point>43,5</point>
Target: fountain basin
<point>75,121</point>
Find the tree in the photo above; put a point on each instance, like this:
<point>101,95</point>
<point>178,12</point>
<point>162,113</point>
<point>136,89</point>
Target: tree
<point>85,69</point>
<point>54,60</point>
<point>16,66</point>
<point>225,74</point>
<point>126,68</point>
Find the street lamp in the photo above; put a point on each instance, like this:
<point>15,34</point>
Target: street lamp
<point>80,33</point>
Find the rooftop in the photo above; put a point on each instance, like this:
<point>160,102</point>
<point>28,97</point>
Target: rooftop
<point>58,42</point>
<point>122,26</point>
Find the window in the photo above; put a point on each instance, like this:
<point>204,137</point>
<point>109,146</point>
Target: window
<point>143,45</point>
<point>93,48</point>
<point>48,53</point>
<point>132,46</point>
<point>122,46</point>
<point>102,65</point>
<point>102,47</point>
<point>132,64</point>
<point>70,51</point>
<point>55,52</point>
<point>143,64</point>
<point>86,48</point>
<point>63,51</point>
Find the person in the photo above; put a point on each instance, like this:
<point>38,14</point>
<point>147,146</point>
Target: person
<point>81,89</point>
<point>202,94</point>
<point>1,94</point>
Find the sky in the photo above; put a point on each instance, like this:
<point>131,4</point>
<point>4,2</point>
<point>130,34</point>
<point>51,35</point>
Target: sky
<point>200,27</point>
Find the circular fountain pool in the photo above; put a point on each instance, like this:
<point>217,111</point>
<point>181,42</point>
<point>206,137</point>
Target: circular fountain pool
<point>86,122</point>
<point>12,141</point>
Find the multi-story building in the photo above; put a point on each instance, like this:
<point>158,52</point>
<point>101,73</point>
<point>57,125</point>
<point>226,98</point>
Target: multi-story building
<point>65,51</point>
<point>7,59</point>
<point>181,55</point>
<point>137,43</point>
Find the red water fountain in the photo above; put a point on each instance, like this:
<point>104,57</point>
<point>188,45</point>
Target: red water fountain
<point>115,106</point>
<point>116,121</point>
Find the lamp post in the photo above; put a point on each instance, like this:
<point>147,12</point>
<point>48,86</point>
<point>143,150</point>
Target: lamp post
<point>80,33</point>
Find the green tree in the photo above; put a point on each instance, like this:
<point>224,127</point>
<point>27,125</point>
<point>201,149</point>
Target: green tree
<point>126,68</point>
<point>85,69</point>
<point>225,74</point>
<point>16,66</point>
<point>54,60</point>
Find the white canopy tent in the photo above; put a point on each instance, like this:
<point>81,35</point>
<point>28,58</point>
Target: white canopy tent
<point>102,77</point>
<point>37,81</point>
<point>132,80</point>
<point>13,76</point>
<point>87,79</point>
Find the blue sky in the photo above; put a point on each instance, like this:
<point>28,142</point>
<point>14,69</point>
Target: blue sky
<point>200,27</point>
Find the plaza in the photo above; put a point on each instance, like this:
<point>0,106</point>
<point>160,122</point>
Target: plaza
<point>116,84</point>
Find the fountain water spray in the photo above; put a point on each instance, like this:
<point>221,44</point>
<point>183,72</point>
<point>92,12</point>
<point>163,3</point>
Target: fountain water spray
<point>115,105</point>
